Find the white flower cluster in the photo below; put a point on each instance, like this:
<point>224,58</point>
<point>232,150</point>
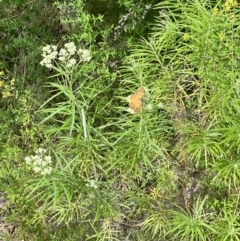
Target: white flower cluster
<point>84,55</point>
<point>66,54</point>
<point>40,162</point>
<point>92,184</point>
<point>49,53</point>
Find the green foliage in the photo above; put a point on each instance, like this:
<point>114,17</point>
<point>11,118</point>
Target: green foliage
<point>76,164</point>
<point>192,225</point>
<point>227,224</point>
<point>21,34</point>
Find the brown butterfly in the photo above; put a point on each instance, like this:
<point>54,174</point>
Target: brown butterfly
<point>136,100</point>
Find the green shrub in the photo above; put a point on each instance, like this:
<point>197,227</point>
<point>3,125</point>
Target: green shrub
<point>89,166</point>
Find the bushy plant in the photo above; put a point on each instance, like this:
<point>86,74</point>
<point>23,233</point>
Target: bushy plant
<point>190,68</point>
<point>142,147</point>
<point>24,35</point>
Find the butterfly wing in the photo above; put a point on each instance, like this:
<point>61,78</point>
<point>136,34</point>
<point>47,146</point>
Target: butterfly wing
<point>135,102</point>
<point>136,105</point>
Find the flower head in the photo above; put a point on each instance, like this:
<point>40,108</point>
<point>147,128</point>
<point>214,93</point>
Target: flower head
<point>186,37</point>
<point>71,63</point>
<point>6,94</point>
<point>12,81</point>
<point>49,54</point>
<point>40,162</point>
<point>215,11</point>
<point>84,55</point>
<point>71,48</point>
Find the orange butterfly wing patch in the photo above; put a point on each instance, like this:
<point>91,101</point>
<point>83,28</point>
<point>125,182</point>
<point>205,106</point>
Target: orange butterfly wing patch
<point>136,100</point>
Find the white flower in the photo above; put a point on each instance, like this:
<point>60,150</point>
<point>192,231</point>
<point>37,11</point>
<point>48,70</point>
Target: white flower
<point>62,58</point>
<point>71,48</point>
<point>46,171</point>
<point>35,158</point>
<point>44,54</point>
<point>36,169</point>
<point>53,55</point>
<point>28,160</point>
<point>49,170</point>
<point>54,47</point>
<point>63,53</point>
<point>49,66</point>
<point>38,162</point>
<point>69,45</point>
<point>84,54</point>
<point>160,105</point>
<point>131,111</point>
<point>72,51</point>
<point>48,159</point>
<point>148,107</point>
<point>46,48</point>
<point>47,61</point>
<point>43,163</point>
<point>71,63</point>
<point>92,184</point>
<point>49,51</point>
